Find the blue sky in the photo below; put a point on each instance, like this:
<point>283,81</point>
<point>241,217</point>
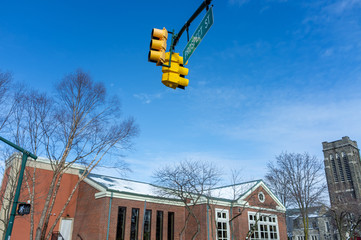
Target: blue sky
<point>270,75</point>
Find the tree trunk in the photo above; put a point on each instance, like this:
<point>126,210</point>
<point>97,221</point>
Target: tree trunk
<point>46,206</point>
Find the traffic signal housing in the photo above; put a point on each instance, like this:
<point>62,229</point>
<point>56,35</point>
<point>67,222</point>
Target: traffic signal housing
<point>174,76</point>
<point>158,46</point>
<point>24,208</point>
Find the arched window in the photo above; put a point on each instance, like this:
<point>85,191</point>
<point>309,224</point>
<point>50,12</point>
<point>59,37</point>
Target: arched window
<point>340,167</point>
<point>334,168</point>
<point>347,166</point>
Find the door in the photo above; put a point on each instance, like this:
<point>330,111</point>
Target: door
<point>66,228</point>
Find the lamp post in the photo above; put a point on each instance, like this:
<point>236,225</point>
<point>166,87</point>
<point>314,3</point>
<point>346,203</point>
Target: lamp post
<point>26,154</point>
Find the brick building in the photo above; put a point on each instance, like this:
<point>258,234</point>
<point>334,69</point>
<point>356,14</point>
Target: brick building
<point>105,207</point>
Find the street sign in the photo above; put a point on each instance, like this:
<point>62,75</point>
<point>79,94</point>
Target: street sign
<point>198,35</point>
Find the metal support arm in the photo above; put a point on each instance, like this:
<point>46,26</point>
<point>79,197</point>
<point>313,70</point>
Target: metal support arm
<point>204,5</point>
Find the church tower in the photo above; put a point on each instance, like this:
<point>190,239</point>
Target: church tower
<point>343,170</point>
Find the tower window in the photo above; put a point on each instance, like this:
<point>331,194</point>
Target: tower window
<point>340,167</point>
<point>334,168</point>
<point>347,166</point>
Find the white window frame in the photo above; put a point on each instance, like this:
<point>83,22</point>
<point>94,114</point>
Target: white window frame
<point>327,226</point>
<point>314,237</point>
<point>264,221</point>
<point>261,197</point>
<point>222,220</point>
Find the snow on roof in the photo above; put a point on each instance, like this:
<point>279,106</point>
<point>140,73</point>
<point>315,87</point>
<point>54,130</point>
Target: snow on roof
<point>294,216</point>
<point>233,192</point>
<point>123,185</point>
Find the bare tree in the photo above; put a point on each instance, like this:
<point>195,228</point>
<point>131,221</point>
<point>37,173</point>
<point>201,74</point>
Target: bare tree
<point>37,114</point>
<point>237,191</point>
<point>81,127</point>
<point>8,104</point>
<point>278,184</point>
<point>235,179</point>
<point>346,217</point>
<point>30,112</point>
<point>7,193</point>
<point>189,181</point>
<point>5,81</point>
<point>305,182</point>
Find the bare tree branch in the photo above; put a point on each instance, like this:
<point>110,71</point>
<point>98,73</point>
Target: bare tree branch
<point>298,179</point>
<point>189,181</point>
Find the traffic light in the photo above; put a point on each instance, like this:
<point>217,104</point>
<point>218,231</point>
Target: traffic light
<point>158,45</point>
<point>173,76</point>
<point>24,208</point>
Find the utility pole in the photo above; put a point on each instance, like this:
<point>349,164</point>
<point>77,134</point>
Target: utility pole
<point>26,154</point>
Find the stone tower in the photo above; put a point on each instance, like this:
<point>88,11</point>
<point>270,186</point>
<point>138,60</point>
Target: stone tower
<point>343,170</point>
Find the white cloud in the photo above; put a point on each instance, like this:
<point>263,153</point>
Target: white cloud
<point>147,98</point>
<point>339,7</point>
<point>238,2</point>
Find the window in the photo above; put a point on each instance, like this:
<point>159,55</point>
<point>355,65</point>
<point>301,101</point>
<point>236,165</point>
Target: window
<point>314,224</point>
<point>121,223</point>
<point>159,226</point>
<point>222,220</point>
<point>296,223</point>
<point>327,227</point>
<point>261,197</point>
<point>170,225</point>
<point>134,224</point>
<point>263,226</point>
<point>314,237</point>
<point>147,224</point>
<point>334,168</point>
<point>340,167</point>
<point>347,166</point>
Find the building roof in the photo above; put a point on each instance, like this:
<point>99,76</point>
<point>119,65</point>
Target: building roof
<point>124,185</point>
<point>113,184</point>
<point>230,193</point>
<point>313,212</point>
<point>235,191</point>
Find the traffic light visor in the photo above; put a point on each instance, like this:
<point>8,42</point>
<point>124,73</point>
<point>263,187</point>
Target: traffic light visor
<point>182,82</point>
<point>156,56</point>
<point>183,71</point>
<point>160,33</point>
<point>158,44</point>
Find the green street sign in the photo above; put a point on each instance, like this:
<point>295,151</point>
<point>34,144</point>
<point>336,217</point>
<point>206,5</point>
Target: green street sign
<point>198,35</point>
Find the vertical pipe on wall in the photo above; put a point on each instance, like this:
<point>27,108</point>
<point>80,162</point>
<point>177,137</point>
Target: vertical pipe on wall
<point>231,214</point>
<point>145,206</point>
<point>110,208</point>
<point>207,219</point>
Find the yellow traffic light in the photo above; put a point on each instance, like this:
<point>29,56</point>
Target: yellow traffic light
<point>158,45</point>
<point>173,76</point>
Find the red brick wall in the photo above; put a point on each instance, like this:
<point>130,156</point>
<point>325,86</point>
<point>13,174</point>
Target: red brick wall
<point>91,220</point>
<point>21,229</point>
<point>91,215</point>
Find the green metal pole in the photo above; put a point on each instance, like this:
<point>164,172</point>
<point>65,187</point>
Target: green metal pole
<point>110,208</point>
<point>16,198</point>
<point>26,154</point>
<point>18,148</point>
